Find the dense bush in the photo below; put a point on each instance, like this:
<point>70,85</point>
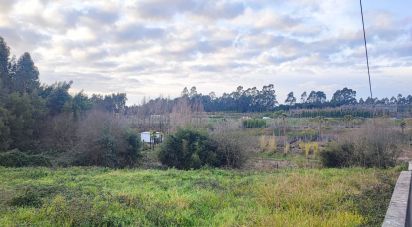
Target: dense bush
<point>234,147</point>
<point>338,155</point>
<point>188,148</point>
<point>376,145</point>
<point>16,158</point>
<point>192,149</point>
<point>134,146</point>
<point>4,130</point>
<point>107,141</point>
<point>254,123</point>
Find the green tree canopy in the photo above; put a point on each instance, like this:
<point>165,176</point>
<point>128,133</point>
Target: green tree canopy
<point>26,77</point>
<point>345,96</point>
<point>57,96</point>
<point>4,61</point>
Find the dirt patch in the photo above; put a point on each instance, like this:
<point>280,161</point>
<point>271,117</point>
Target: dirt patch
<point>406,155</point>
<point>268,164</point>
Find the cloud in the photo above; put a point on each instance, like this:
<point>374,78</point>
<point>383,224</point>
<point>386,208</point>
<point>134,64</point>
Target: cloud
<point>23,39</point>
<point>166,9</point>
<point>153,47</point>
<point>139,32</point>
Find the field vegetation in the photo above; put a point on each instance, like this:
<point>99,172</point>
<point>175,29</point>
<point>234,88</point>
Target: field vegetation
<point>207,197</point>
<point>44,124</point>
<point>240,159</point>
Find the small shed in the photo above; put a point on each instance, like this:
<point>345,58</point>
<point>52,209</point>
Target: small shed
<point>146,137</point>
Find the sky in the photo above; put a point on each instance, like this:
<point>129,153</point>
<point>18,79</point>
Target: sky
<point>149,48</point>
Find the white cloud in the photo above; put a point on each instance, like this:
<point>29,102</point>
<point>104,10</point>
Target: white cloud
<point>80,34</point>
<point>152,47</point>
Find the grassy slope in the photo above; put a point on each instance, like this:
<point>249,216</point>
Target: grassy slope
<point>89,196</point>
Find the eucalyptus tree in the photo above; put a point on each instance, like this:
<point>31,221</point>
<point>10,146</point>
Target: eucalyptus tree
<point>316,97</point>
<point>303,97</point>
<point>345,96</point>
<point>290,100</point>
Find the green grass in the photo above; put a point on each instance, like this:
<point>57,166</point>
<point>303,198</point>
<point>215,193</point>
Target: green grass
<point>207,197</point>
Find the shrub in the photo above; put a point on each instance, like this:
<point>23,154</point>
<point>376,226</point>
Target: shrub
<point>233,147</point>
<point>192,149</point>
<point>134,145</point>
<point>39,160</point>
<point>338,155</point>
<point>254,123</point>
<point>16,158</point>
<point>107,141</point>
<point>187,149</point>
<point>376,145</point>
<point>4,129</point>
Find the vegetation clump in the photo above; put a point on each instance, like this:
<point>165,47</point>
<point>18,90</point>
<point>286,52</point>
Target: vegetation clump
<point>187,149</point>
<point>254,123</point>
<point>15,158</point>
<point>193,149</point>
<point>234,147</point>
<point>374,146</point>
<point>107,141</point>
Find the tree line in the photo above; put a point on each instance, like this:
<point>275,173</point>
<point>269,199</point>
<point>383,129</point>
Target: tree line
<point>40,123</point>
<point>265,100</point>
<point>46,119</point>
<point>44,125</point>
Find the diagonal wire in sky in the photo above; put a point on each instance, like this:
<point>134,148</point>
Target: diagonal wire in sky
<point>366,49</point>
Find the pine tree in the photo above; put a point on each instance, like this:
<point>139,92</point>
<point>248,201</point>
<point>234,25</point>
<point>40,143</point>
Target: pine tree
<point>4,60</point>
<point>26,79</point>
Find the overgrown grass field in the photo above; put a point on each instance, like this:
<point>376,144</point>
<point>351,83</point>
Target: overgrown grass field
<point>206,197</point>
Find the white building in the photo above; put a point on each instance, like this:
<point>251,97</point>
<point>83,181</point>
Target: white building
<point>145,137</point>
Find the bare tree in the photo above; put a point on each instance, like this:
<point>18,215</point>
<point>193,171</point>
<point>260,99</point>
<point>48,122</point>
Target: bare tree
<point>320,120</point>
<point>181,114</point>
<point>59,133</point>
<point>186,113</point>
<point>284,116</point>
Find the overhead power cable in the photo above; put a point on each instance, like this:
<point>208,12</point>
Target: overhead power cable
<point>366,50</point>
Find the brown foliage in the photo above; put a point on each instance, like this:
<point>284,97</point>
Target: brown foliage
<point>59,133</point>
<point>376,144</point>
<point>102,140</point>
<point>236,146</point>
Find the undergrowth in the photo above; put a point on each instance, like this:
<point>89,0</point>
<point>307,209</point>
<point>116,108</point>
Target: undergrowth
<point>206,197</point>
